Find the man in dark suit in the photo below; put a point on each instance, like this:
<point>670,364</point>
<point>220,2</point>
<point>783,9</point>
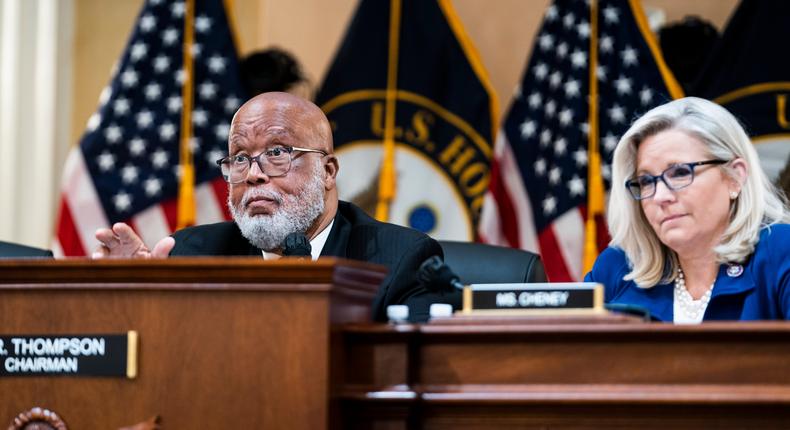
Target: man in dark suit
<point>281,171</point>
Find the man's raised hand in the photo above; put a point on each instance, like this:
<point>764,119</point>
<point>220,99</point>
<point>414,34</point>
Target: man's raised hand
<point>121,241</point>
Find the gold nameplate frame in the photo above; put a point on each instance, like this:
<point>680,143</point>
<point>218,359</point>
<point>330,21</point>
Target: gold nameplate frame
<point>564,298</point>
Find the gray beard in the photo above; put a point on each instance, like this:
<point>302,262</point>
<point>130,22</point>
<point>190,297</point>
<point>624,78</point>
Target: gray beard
<point>295,214</point>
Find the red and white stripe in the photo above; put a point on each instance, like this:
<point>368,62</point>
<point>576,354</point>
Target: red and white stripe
<point>81,212</point>
<point>506,220</point>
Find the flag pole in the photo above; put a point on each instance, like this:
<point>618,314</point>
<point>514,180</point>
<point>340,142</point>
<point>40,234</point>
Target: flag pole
<point>595,197</point>
<point>186,186</point>
<point>387,179</point>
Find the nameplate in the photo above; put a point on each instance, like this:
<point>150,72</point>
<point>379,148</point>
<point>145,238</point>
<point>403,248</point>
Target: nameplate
<point>540,298</point>
<point>110,355</point>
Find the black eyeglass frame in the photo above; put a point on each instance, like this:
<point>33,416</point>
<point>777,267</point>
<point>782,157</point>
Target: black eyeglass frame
<point>655,178</point>
<point>257,159</point>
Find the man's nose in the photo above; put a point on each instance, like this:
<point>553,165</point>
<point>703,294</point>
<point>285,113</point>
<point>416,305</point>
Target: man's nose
<point>255,173</point>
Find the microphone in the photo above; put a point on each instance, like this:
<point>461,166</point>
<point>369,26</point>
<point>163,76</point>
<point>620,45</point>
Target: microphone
<point>296,245</point>
<point>435,275</point>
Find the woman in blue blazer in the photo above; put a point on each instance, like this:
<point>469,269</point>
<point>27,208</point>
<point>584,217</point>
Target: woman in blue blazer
<point>698,230</point>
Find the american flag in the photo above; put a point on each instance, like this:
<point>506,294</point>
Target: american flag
<point>538,196</point>
<point>127,166</point>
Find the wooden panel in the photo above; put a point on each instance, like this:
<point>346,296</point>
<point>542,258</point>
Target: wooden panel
<point>541,416</point>
<point>602,373</point>
<point>214,270</point>
<point>205,360</point>
<point>224,353</point>
<point>588,358</point>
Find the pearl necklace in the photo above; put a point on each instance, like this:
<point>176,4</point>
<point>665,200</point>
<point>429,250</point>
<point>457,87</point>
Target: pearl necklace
<point>693,309</point>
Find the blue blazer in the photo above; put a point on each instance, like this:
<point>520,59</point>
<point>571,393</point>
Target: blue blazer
<point>761,292</point>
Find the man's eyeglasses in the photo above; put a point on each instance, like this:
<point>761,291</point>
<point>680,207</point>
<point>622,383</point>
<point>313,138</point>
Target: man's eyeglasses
<point>273,162</point>
<point>675,177</point>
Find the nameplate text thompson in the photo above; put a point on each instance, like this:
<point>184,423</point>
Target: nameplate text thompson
<point>69,355</point>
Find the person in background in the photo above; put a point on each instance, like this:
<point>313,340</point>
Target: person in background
<point>273,69</point>
<point>698,230</point>
<point>685,45</point>
<point>281,172</point>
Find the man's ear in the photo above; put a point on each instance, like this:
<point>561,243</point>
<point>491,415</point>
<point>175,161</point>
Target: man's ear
<point>331,168</point>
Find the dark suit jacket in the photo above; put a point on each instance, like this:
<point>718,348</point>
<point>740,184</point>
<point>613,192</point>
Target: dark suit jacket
<point>13,250</point>
<point>355,236</point>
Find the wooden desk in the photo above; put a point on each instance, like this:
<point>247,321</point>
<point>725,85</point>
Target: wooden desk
<point>539,373</point>
<point>230,343</point>
<point>224,343</point>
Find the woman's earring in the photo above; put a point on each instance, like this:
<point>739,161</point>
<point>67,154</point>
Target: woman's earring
<point>733,195</point>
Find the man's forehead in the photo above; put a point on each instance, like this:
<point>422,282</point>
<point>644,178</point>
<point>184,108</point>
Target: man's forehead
<point>260,123</point>
<point>259,130</point>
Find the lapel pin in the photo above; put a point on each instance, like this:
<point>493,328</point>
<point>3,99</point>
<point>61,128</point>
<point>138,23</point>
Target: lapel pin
<point>734,270</point>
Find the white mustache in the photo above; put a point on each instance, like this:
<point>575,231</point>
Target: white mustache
<point>252,193</point>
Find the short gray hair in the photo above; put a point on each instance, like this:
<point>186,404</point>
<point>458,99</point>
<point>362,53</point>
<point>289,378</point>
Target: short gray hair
<point>758,205</point>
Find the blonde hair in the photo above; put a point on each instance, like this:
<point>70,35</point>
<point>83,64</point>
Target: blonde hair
<point>758,205</point>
